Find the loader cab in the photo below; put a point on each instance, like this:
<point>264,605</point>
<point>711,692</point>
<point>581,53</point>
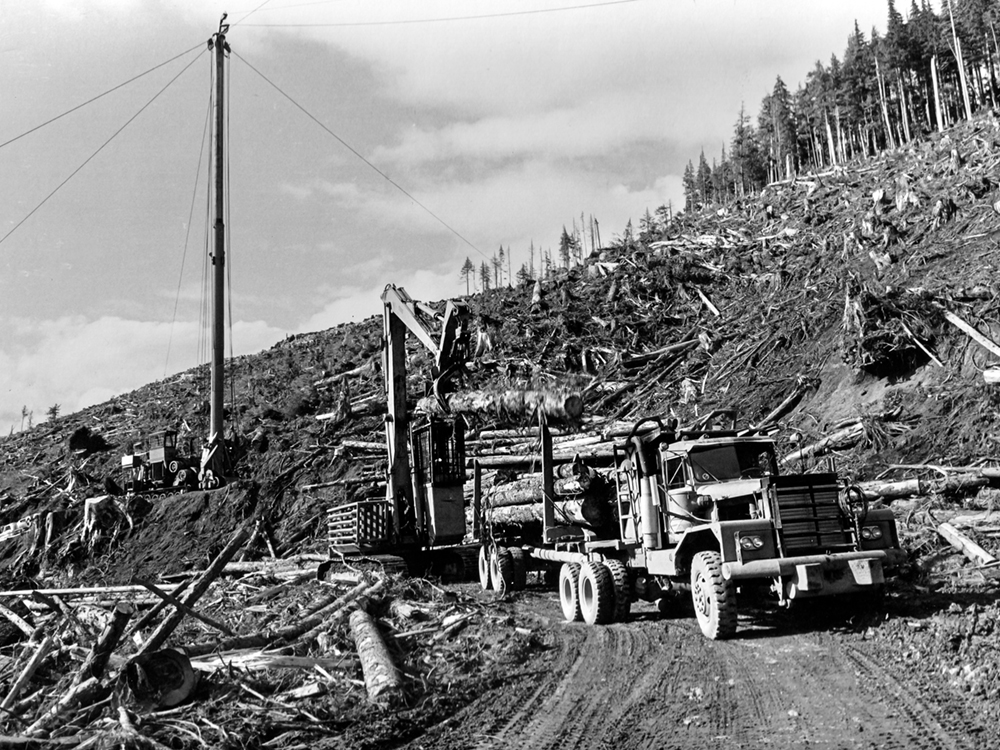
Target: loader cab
<point>438,450</point>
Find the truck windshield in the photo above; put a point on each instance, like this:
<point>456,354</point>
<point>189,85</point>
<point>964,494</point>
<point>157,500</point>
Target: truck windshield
<point>723,462</point>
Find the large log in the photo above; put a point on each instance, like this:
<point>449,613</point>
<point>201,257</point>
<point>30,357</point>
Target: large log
<point>843,438</point>
<point>916,487</point>
<point>528,489</point>
<point>562,406</point>
<point>965,545</point>
<point>382,678</point>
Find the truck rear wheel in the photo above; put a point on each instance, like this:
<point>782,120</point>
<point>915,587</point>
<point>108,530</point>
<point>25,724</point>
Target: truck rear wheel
<point>569,591</point>
<point>623,594</point>
<point>597,594</point>
<point>502,570</point>
<point>713,596</point>
<point>484,569</point>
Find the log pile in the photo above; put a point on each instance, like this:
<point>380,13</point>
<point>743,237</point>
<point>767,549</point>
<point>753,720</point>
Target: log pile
<point>261,654</point>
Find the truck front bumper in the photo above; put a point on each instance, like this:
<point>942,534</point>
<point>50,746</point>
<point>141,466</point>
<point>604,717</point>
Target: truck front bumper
<point>812,575</point>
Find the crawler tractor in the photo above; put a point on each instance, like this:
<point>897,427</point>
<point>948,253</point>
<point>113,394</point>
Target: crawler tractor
<point>707,511</point>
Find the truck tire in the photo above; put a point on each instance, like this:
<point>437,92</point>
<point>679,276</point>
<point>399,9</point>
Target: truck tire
<point>596,594</point>
<point>485,583</point>
<point>569,591</point>
<point>623,592</point>
<point>520,567</point>
<point>713,596</point>
<point>502,570</point>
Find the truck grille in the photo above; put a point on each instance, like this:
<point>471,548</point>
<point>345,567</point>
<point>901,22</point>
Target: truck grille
<point>811,519</point>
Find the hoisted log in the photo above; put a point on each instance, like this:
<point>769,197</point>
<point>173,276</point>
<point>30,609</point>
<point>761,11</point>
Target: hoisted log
<point>562,406</point>
<point>382,678</point>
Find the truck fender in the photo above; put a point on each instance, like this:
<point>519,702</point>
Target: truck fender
<point>694,540</point>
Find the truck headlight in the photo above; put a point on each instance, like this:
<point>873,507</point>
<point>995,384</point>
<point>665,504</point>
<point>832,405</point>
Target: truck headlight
<point>871,532</point>
<point>751,542</point>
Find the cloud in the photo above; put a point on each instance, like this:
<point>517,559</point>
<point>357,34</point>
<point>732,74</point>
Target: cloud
<point>593,128</point>
<point>77,362</point>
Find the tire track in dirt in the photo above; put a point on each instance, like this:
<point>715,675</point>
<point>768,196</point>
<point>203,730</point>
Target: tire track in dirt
<point>659,683</point>
<point>936,715</point>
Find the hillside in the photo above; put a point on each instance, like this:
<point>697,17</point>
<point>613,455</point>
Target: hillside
<point>828,293</point>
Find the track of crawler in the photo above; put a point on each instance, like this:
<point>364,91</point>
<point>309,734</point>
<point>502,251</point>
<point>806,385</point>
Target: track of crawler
<point>659,683</point>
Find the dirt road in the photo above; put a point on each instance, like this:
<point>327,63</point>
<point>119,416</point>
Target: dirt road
<point>657,683</point>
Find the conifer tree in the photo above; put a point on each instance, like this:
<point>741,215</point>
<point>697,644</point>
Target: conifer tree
<point>468,273</point>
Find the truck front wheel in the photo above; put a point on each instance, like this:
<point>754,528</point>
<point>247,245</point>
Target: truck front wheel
<point>569,591</point>
<point>713,596</point>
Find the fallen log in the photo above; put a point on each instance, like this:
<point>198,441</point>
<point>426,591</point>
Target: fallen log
<point>382,680</point>
<point>81,694</point>
<point>910,487</point>
<point>97,660</point>
<point>638,360</point>
<point>321,617</point>
<point>784,407</point>
<point>972,333</point>
<point>561,406</point>
<point>842,438</point>
<point>965,545</point>
<point>199,587</point>
<point>177,604</point>
<point>368,368</point>
<point>26,674</point>
<point>259,660</point>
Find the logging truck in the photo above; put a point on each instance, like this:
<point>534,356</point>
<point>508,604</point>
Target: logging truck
<point>703,511</point>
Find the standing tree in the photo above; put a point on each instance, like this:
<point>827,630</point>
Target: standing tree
<point>484,276</point>
<point>53,411</point>
<point>468,273</point>
<point>690,188</point>
<point>498,268</point>
<point>565,247</point>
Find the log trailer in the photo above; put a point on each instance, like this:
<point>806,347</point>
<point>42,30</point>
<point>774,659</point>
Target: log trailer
<point>420,523</point>
<point>706,511</point>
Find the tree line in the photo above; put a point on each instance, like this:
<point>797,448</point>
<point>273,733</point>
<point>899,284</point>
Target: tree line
<point>497,271</point>
<point>927,72</point>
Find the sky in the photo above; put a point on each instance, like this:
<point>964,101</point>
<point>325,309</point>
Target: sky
<point>370,143</point>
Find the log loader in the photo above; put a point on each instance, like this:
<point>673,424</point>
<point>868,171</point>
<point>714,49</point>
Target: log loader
<point>421,520</point>
<point>706,511</point>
